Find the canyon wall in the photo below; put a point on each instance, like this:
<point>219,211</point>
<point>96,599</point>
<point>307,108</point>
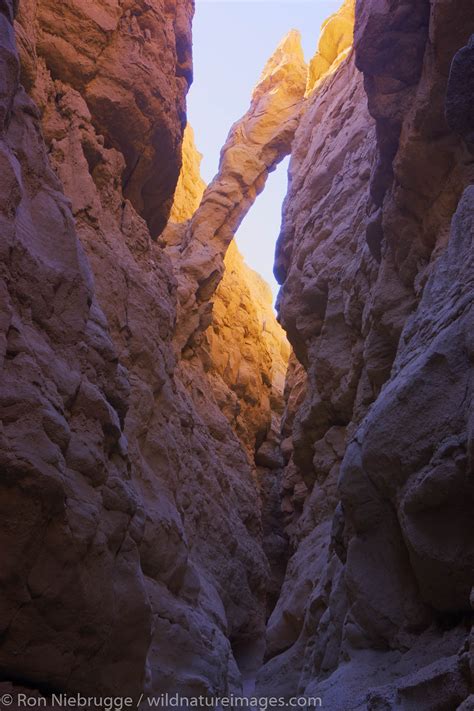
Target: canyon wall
<point>375,260</point>
<point>256,143</point>
<point>130,523</point>
<point>171,475</point>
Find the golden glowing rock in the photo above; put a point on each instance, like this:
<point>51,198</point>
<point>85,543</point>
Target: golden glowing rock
<point>335,43</point>
<point>247,350</point>
<point>255,145</point>
<point>191,186</point>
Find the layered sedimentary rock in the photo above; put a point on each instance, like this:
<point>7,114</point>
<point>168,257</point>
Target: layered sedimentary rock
<point>375,257</point>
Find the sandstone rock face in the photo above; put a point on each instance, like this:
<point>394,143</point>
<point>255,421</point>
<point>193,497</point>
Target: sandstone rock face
<point>375,257</point>
<point>131,63</point>
<point>191,186</point>
<point>242,357</point>
<point>159,458</point>
<point>137,523</point>
<point>327,267</point>
<point>334,44</point>
<point>73,596</point>
<point>246,350</point>
<point>255,145</point>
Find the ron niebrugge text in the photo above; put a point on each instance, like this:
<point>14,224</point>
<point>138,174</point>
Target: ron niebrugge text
<point>164,701</point>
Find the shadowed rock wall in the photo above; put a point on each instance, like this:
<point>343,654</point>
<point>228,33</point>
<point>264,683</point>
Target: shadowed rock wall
<point>375,257</point>
<point>134,537</point>
<point>148,457</point>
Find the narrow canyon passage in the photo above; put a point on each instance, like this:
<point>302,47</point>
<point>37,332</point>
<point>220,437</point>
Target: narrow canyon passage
<point>198,498</point>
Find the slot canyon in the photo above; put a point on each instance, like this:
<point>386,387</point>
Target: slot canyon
<point>198,496</point>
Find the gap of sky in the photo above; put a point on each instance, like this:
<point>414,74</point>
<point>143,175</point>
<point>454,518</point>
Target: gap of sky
<point>232,40</point>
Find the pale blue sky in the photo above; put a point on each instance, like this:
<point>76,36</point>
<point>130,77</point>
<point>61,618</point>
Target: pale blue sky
<point>231,42</point>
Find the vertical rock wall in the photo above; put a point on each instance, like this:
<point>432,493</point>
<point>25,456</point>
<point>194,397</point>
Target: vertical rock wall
<point>132,516</point>
<point>132,495</point>
<point>147,453</point>
<point>375,257</point>
<point>131,62</point>
<point>73,595</point>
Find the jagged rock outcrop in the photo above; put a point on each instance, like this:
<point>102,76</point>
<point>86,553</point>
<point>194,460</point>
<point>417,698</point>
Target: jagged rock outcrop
<point>137,521</point>
<point>246,350</point>
<point>191,186</point>
<point>323,256</point>
<point>242,357</point>
<point>335,42</point>
<point>375,259</point>
<point>245,355</point>
<point>73,596</point>
<point>131,62</point>
<point>255,145</point>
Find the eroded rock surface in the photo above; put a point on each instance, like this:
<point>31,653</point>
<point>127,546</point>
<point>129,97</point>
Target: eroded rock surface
<point>191,186</point>
<point>137,523</point>
<point>247,350</point>
<point>131,62</point>
<point>255,145</point>
<point>375,259</point>
<point>334,44</point>
<point>73,596</point>
<point>242,357</point>
<point>156,470</point>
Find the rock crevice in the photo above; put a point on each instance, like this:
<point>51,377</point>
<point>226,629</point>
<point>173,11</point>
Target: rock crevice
<point>179,490</point>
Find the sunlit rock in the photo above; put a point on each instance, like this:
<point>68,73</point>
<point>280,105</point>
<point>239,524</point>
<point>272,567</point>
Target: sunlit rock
<point>190,186</point>
<point>255,145</point>
<point>334,44</point>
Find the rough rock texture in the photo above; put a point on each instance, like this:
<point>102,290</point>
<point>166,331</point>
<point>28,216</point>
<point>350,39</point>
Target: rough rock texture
<point>191,186</point>
<point>131,62</point>
<point>137,522</point>
<point>335,42</point>
<point>246,350</point>
<point>147,465</point>
<point>255,145</point>
<point>73,595</point>
<point>375,257</point>
<point>245,355</point>
<point>242,357</point>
